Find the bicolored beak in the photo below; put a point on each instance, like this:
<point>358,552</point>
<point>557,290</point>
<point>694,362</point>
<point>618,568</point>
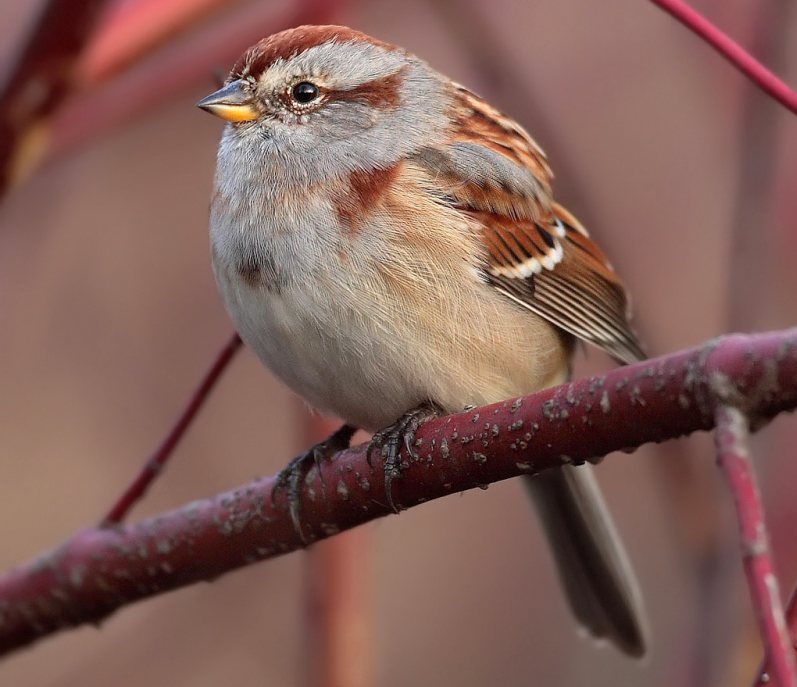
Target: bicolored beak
<point>231,102</point>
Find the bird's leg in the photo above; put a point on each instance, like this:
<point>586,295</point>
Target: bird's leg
<point>388,443</point>
<point>291,476</point>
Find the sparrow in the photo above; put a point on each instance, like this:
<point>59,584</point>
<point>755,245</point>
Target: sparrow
<point>388,244</point>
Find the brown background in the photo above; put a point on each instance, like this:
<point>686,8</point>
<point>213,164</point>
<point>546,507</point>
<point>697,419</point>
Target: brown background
<point>109,315</point>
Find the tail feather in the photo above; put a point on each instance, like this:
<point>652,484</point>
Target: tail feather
<point>593,566</point>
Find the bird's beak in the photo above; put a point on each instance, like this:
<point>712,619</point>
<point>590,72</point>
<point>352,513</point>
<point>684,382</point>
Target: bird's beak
<point>232,103</point>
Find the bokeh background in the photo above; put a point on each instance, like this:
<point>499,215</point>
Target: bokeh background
<point>109,315</point>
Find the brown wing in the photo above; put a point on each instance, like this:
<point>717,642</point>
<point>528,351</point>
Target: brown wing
<point>537,253</point>
<point>572,285</point>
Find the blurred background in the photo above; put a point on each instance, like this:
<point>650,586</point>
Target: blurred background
<point>684,173</point>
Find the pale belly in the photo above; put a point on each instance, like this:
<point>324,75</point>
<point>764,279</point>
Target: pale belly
<point>370,354</point>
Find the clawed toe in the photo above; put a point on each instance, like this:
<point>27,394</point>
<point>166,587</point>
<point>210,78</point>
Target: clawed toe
<point>291,476</point>
<point>388,443</point>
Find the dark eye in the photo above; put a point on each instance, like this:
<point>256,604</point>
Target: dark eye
<point>304,92</point>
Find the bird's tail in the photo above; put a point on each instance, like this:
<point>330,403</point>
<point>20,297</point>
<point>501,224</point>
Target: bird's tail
<point>592,563</point>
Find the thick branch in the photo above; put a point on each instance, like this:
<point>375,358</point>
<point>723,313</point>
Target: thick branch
<point>100,570</point>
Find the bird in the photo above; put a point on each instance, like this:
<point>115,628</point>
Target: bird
<point>388,244</point>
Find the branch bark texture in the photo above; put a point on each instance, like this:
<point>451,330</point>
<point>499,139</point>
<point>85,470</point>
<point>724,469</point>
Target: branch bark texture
<point>97,571</point>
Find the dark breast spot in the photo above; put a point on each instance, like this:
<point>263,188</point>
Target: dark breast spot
<point>260,272</point>
<point>250,273</point>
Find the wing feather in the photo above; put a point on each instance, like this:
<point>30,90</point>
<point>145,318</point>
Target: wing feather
<point>536,252</point>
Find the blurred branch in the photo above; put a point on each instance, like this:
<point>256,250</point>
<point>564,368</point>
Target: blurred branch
<point>155,464</point>
<point>336,646</point>
<point>753,241</point>
<point>731,51</point>
<point>176,67</point>
<point>39,81</point>
<point>131,30</point>
<point>100,570</point>
<point>733,456</point>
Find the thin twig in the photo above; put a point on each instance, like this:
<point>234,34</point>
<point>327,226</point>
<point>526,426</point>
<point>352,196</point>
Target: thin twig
<point>764,678</point>
<point>733,456</point>
<point>98,570</point>
<point>731,51</point>
<point>157,461</point>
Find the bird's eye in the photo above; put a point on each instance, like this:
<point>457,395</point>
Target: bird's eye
<point>305,92</point>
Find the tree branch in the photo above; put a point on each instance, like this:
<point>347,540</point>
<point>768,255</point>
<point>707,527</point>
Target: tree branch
<point>98,571</point>
<point>733,456</point>
<point>765,672</point>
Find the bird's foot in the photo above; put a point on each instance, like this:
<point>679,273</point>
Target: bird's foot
<point>291,476</point>
<point>388,443</point>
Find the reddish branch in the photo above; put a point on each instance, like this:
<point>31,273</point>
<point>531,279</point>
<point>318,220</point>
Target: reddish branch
<point>766,672</point>
<point>336,636</point>
<point>39,81</point>
<point>731,51</point>
<point>100,570</point>
<point>157,461</point>
<point>733,456</point>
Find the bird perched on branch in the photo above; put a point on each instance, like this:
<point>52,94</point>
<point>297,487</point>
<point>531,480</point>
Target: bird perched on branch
<point>388,244</point>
